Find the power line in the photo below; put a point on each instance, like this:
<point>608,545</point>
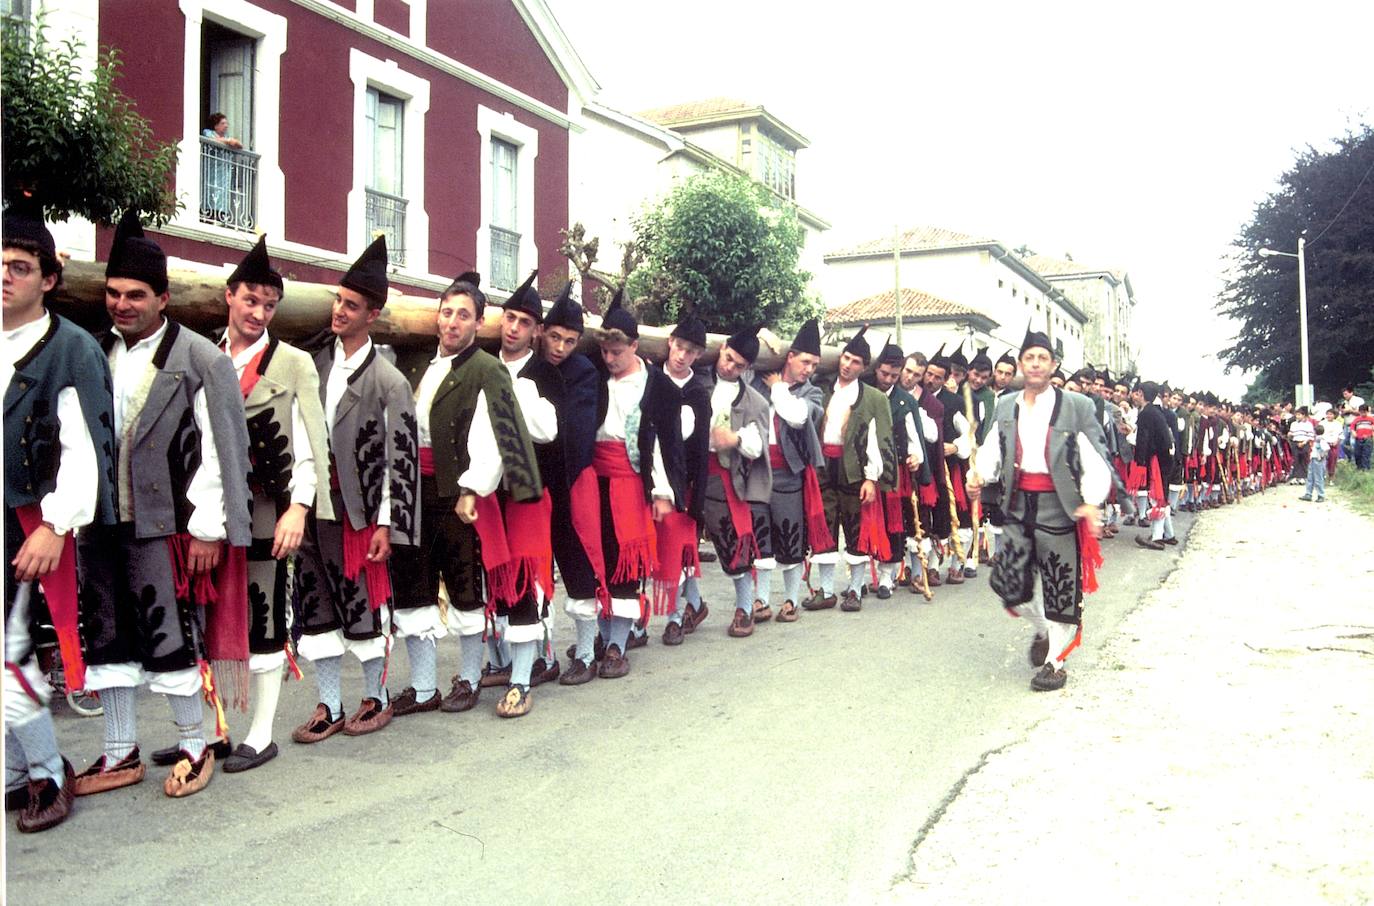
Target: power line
<point>1332,221</point>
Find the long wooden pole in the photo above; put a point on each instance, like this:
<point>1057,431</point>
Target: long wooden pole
<point>197,300</point>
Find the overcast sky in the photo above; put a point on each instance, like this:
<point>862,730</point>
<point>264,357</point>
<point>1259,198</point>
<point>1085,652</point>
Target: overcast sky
<point>1133,136</point>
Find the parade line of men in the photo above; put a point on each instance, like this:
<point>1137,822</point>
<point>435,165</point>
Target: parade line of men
<point>202,516</point>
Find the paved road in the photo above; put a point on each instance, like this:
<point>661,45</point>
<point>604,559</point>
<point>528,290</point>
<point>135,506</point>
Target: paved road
<point>795,766</point>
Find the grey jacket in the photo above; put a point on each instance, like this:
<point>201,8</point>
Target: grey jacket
<point>752,478</point>
<point>166,441</point>
<point>287,375</point>
<point>1073,414</point>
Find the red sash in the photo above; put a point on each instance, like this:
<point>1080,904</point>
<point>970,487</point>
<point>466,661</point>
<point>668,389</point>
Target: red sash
<point>775,458</point>
<point>632,518</point>
<point>892,500</point>
<point>817,530</point>
<point>832,451</point>
<point>1135,478</point>
<point>747,546</point>
<point>59,587</point>
<point>223,593</point>
<point>677,551</point>
<point>1089,551</point>
<point>427,462</point>
<point>355,543</point>
<point>1039,482</point>
<point>956,481</point>
<point>517,553</point>
<point>249,379</point>
<point>584,505</point>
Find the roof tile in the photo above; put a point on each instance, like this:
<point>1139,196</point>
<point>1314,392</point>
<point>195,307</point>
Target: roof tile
<point>915,304</point>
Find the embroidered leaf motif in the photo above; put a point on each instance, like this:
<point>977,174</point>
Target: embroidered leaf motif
<point>517,453</point>
<point>183,459</point>
<point>405,465</point>
<point>370,455</point>
<point>269,455</point>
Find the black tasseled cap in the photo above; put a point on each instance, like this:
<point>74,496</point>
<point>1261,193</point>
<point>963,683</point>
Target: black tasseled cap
<point>565,312</point>
<point>526,299</point>
<point>617,317</point>
<point>692,330</point>
<point>746,343</point>
<point>256,267</point>
<point>368,273</point>
<point>136,257</point>
<point>808,338</point>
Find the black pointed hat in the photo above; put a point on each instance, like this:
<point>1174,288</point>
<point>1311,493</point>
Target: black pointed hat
<point>565,311</point>
<point>980,360</point>
<point>135,256</point>
<point>692,330</point>
<point>939,359</point>
<point>1008,358</point>
<point>617,317</point>
<point>368,273</point>
<point>1035,338</point>
<point>891,355</point>
<point>746,343</point>
<point>858,346</point>
<point>958,360</point>
<point>1058,373</point>
<point>808,338</point>
<point>24,220</point>
<point>256,268</point>
<point>526,299</point>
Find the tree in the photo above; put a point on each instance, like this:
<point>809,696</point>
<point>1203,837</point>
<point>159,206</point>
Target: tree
<point>1329,197</point>
<point>723,248</point>
<point>75,144</point>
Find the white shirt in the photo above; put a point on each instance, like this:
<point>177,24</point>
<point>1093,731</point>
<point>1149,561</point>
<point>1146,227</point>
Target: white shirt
<point>541,419</point>
<point>722,398</point>
<point>914,447</point>
<point>1032,428</point>
<point>789,407</point>
<point>622,405</point>
<point>689,418</point>
<point>205,492</point>
<point>302,485</point>
<point>71,503</point>
<point>837,416</point>
<point>434,375</point>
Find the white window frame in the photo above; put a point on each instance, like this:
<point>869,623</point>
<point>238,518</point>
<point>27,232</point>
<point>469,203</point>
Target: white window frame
<point>367,11</point>
<point>492,124</point>
<point>269,30</point>
<point>385,76</point>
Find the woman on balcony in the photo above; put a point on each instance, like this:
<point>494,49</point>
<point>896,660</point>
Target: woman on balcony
<point>215,167</point>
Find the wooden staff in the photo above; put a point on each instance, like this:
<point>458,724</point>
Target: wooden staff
<point>953,511</point>
<point>975,505</point>
<point>920,536</point>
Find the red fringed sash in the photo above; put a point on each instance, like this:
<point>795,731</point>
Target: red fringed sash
<point>956,481</point>
<point>747,546</point>
<point>892,500</point>
<point>1089,557</point>
<point>223,593</point>
<point>517,553</point>
<point>677,551</point>
<point>584,505</point>
<point>355,542</point>
<point>873,531</point>
<point>817,530</point>
<point>1157,495</point>
<point>1135,478</point>
<point>632,519</point>
<point>59,587</point>
<point>427,461</point>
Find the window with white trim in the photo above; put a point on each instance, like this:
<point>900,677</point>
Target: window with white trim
<point>505,234</point>
<point>505,245</point>
<point>386,200</point>
<point>228,161</point>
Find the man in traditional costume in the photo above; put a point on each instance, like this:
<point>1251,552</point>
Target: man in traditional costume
<point>150,611</point>
<point>856,441</point>
<point>289,456</point>
<point>1046,446</point>
<point>344,586</point>
<point>796,514</point>
<point>59,476</point>
<point>638,459</point>
<point>1154,456</point>
<point>910,433</point>
<point>957,442</point>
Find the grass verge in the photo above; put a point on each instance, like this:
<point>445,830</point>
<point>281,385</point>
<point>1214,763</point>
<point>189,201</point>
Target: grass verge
<point>1357,487</point>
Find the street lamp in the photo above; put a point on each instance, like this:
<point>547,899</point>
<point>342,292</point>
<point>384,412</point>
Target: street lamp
<point>1306,390</point>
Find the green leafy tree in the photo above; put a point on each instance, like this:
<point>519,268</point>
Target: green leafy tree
<point>1329,197</point>
<point>73,143</point>
<point>725,249</point>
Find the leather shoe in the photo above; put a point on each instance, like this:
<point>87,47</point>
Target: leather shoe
<point>318,727</point>
<point>884,592</point>
<point>515,703</point>
<point>401,705</point>
<point>544,672</point>
<point>462,697</point>
<point>495,676</point>
<point>672,634</point>
<point>189,776</point>
<point>18,798</point>
<point>245,758</point>
<point>955,577</point>
<point>636,641</point>
<point>762,612</point>
<point>819,601</point>
<point>1169,541</point>
<point>1039,650</point>
<point>933,578</point>
<point>850,603</point>
<point>695,617</point>
<point>1147,543</point>
<point>614,665</point>
<point>369,718</point>
<point>787,613</point>
<point>172,754</point>
<point>578,673</point>
<point>741,625</point>
<point>1049,679</point>
<point>970,572</point>
<point>128,771</point>
<point>48,804</point>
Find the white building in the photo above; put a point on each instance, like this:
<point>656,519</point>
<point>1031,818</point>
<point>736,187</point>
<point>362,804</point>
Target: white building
<point>978,274</point>
<point>622,163</point>
<point>928,322</point>
<point>1107,297</point>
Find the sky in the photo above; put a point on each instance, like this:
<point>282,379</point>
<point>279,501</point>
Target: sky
<point>1133,136</point>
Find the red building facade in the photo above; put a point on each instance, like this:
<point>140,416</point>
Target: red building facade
<point>443,124</point>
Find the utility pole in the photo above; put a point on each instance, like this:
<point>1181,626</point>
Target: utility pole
<point>897,281</point>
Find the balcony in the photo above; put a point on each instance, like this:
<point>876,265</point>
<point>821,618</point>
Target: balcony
<point>505,258</point>
<point>386,214</point>
<point>228,186</point>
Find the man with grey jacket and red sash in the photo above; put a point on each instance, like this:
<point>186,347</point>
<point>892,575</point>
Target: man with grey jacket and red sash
<point>150,611</point>
<point>1045,445</point>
